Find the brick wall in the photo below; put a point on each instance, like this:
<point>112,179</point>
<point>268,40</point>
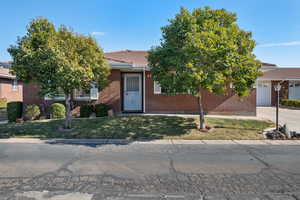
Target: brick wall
<point>283,94</point>
<point>7,92</point>
<point>212,103</point>
<point>111,95</point>
<point>160,103</point>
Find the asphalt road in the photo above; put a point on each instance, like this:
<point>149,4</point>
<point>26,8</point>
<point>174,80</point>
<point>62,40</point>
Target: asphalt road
<point>149,171</point>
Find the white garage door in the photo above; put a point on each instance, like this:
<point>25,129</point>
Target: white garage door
<point>263,93</point>
<point>294,90</point>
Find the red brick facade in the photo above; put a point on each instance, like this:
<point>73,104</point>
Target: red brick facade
<point>162,103</point>
<point>111,95</point>
<point>212,103</point>
<point>6,90</point>
<point>283,94</point>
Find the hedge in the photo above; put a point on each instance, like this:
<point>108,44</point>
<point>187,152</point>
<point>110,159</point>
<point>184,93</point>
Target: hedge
<point>57,111</point>
<point>290,103</point>
<point>3,103</point>
<point>32,111</point>
<point>14,110</point>
<point>86,110</point>
<point>101,110</point>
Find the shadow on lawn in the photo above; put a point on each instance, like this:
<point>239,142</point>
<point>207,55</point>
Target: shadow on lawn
<point>132,127</point>
<point>127,127</point>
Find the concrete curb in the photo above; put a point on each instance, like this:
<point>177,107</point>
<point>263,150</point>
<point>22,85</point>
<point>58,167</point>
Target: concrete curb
<point>127,142</point>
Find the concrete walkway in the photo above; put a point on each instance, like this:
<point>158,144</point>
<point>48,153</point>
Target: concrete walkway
<point>95,142</point>
<point>286,116</point>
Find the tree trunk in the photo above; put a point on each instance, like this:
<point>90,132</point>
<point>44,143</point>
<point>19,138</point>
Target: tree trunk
<point>68,112</point>
<point>201,113</point>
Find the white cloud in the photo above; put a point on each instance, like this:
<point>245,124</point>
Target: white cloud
<point>97,33</point>
<point>280,44</point>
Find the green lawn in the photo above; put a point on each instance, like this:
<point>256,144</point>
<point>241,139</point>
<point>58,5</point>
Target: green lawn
<point>138,127</point>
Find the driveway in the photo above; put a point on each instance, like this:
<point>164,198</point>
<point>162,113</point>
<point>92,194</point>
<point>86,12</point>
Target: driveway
<point>286,116</point>
<point>206,170</point>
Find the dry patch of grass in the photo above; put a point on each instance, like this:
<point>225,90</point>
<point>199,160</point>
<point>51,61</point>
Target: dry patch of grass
<point>229,129</point>
<point>138,127</point>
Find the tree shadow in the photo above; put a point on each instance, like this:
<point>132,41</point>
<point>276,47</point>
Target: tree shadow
<point>126,128</point>
<point>133,127</point>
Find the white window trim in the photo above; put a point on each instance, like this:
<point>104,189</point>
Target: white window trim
<point>86,98</point>
<point>79,98</point>
<point>58,98</point>
<point>14,86</point>
<point>156,88</point>
<point>95,91</point>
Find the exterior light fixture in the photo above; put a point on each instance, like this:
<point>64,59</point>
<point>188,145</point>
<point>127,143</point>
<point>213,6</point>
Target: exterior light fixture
<point>277,89</point>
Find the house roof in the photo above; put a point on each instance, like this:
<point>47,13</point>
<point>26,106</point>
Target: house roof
<point>135,58</point>
<point>5,64</point>
<point>5,73</point>
<point>268,64</point>
<point>139,58</point>
<point>281,74</point>
<point>113,61</point>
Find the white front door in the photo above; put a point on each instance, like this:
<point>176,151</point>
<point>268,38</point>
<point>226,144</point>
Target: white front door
<point>263,93</point>
<point>132,92</point>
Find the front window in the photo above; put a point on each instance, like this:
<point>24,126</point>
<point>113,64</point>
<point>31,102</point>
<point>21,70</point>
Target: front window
<point>81,94</point>
<point>59,95</point>
<point>89,94</point>
<point>161,90</point>
<point>14,85</point>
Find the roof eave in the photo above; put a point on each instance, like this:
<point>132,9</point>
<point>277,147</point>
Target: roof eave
<point>278,79</point>
<point>7,76</point>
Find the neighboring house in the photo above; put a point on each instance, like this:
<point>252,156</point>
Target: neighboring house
<point>132,89</point>
<point>289,78</point>
<point>10,88</point>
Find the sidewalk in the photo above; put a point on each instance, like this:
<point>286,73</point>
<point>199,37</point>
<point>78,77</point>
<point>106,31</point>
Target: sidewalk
<point>127,142</point>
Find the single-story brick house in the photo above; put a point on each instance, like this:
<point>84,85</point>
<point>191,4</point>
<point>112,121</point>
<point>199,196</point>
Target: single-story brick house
<point>289,78</point>
<point>132,89</point>
<point>10,88</point>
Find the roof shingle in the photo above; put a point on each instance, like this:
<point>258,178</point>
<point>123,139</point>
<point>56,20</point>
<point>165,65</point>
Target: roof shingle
<point>281,74</point>
<point>136,58</point>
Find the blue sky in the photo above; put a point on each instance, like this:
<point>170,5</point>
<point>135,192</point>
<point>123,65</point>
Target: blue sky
<point>135,24</point>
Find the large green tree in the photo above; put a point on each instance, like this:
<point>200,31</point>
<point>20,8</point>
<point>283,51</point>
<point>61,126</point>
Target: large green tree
<point>58,59</point>
<point>204,50</point>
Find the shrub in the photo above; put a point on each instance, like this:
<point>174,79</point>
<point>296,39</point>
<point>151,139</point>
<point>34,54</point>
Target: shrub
<point>101,110</point>
<point>290,103</point>
<point>3,103</point>
<point>57,111</point>
<point>14,110</point>
<point>86,110</point>
<point>32,112</point>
